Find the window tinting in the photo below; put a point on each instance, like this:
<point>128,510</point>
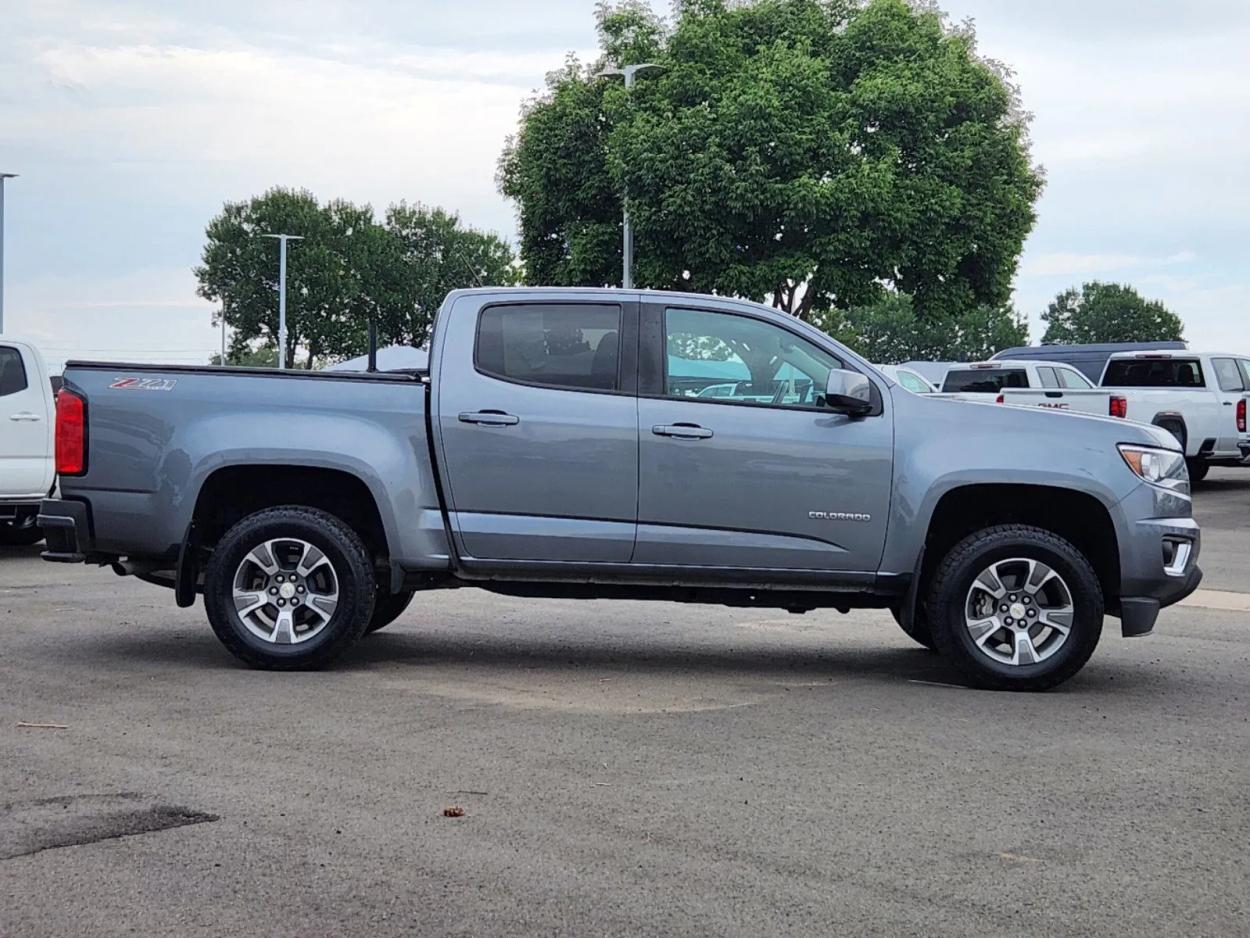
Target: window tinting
<point>723,357</point>
<point>12,371</point>
<point>1228,374</point>
<point>1073,379</point>
<point>913,383</point>
<point>562,345</point>
<point>1047,377</point>
<point>984,380</point>
<point>1153,373</point>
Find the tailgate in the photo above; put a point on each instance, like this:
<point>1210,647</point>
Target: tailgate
<point>1083,401</point>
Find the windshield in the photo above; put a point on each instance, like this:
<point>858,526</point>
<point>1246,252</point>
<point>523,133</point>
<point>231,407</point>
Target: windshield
<point>1153,373</point>
<point>984,381</point>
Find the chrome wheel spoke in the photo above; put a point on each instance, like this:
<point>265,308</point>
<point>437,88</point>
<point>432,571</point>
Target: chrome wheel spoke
<point>309,560</point>
<point>989,581</point>
<point>284,628</point>
<point>1058,619</point>
<point>1039,576</point>
<point>322,604</point>
<point>1024,651</point>
<point>262,556</point>
<point>982,629</point>
<point>246,601</point>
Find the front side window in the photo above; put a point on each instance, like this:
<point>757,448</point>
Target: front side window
<point>575,346</point>
<point>725,357</point>
<point>1073,379</point>
<point>914,383</point>
<point>12,371</point>
<point>1228,374</point>
<point>1153,373</point>
<point>984,380</point>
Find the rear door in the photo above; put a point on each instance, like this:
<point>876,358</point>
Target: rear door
<point>25,431</point>
<point>538,424</point>
<point>755,474</point>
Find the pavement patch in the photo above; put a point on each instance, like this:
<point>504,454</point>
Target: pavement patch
<point>28,827</point>
<point>1218,599</point>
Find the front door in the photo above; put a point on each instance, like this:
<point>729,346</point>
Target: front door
<point>539,435</point>
<point>25,436</point>
<point>740,465</point>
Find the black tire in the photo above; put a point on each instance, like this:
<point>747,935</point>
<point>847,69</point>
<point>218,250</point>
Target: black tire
<point>13,534</point>
<point>948,591</point>
<point>387,607</point>
<point>351,564</point>
<point>1198,469</point>
<point>919,631</point>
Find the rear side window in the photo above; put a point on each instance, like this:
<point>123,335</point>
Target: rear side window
<point>1153,373</point>
<point>575,346</point>
<point>1072,379</point>
<point>1228,374</point>
<point>1245,371</point>
<point>984,381</point>
<point>12,371</point>
<point>1047,377</point>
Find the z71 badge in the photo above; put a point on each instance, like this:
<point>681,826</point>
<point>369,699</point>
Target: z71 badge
<point>144,384</point>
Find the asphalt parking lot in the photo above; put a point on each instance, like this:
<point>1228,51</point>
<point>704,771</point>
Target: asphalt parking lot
<point>624,769</point>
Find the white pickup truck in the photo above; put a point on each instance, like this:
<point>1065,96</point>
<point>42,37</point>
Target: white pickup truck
<point>27,412</point>
<point>1200,397</point>
<point>1051,385</point>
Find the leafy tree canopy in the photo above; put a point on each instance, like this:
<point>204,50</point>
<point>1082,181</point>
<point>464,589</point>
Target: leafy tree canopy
<point>891,330</point>
<point>347,270</point>
<point>818,154</point>
<point>1108,312</point>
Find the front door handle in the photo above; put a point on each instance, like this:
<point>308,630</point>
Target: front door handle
<point>24,417</point>
<point>490,418</point>
<point>682,431</point>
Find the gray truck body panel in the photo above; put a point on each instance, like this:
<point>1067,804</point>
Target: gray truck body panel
<point>581,485</point>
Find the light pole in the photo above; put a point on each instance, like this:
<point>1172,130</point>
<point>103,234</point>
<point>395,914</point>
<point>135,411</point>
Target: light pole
<point>282,240</point>
<point>629,73</point>
<point>3,177</point>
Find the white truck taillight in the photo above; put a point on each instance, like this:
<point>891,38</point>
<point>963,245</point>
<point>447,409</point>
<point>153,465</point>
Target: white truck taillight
<point>1117,406</point>
<point>1241,416</point>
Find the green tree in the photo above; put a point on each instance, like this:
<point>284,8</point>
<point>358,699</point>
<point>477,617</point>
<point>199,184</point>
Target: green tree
<point>818,154</point>
<point>347,270</point>
<point>262,356</point>
<point>1108,312</point>
<point>892,331</point>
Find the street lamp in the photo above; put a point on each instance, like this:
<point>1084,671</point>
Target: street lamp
<point>282,240</point>
<point>629,73</point>
<point>3,177</point>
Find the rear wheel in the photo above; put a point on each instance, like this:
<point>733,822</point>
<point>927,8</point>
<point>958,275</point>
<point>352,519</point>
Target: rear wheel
<point>289,588</point>
<point>1198,469</point>
<point>387,607</point>
<point>20,533</point>
<point>1015,607</point>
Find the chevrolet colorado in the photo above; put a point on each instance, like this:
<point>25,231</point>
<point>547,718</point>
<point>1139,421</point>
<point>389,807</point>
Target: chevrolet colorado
<point>560,444</point>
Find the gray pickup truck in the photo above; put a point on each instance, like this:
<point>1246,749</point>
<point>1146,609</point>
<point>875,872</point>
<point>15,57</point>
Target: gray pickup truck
<point>633,445</point>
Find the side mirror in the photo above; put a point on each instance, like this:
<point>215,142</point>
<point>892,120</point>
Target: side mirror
<point>848,392</point>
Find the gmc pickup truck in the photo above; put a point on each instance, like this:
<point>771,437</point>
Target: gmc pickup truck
<point>560,445</point>
<point>26,415</point>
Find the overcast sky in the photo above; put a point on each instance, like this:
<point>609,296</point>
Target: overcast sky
<point>132,122</point>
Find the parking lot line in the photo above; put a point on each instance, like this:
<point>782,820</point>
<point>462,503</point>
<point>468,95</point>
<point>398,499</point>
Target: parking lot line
<point>1219,599</point>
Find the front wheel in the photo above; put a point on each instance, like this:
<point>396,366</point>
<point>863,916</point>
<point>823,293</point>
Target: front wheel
<point>289,588</point>
<point>1015,607</point>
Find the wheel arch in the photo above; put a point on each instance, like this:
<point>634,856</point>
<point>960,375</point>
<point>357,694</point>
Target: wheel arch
<point>1076,516</point>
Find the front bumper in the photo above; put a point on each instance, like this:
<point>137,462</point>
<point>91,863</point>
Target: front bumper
<point>1159,547</point>
<point>67,530</point>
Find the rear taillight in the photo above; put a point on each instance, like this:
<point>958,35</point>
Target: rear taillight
<point>999,399</point>
<point>1117,406</point>
<point>71,434</point>
<point>1241,416</point>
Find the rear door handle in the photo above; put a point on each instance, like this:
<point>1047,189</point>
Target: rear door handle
<point>25,417</point>
<point>490,418</point>
<point>682,431</point>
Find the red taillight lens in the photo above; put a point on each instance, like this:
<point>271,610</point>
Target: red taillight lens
<point>1117,406</point>
<point>71,434</point>
<point>1241,416</point>
<point>999,399</point>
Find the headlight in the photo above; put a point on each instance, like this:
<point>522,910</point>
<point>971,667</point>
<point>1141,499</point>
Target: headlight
<point>1162,467</point>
